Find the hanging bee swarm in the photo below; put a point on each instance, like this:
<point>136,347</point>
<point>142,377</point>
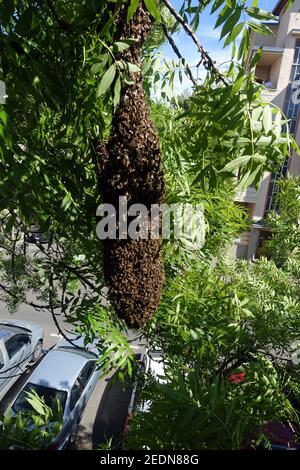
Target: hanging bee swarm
<point>130,165</point>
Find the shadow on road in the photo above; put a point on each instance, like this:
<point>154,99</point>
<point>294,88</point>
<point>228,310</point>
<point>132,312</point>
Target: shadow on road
<point>110,417</point>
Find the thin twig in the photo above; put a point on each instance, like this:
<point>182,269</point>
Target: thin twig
<point>13,257</point>
<point>72,269</point>
<point>177,52</point>
<point>64,287</point>
<point>24,301</point>
<point>53,313</point>
<point>207,62</point>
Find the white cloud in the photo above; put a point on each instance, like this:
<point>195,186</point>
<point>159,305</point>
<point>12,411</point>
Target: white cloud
<point>209,32</point>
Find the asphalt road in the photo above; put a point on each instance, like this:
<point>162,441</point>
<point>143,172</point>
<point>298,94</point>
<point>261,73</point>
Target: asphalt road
<point>106,411</point>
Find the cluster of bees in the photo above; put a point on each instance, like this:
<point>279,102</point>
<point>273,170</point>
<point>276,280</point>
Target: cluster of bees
<point>130,165</point>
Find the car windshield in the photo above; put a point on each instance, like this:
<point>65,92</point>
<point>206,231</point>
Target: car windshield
<point>50,396</point>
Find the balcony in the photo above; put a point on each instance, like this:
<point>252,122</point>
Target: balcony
<point>269,55</point>
<point>269,94</point>
<point>249,196</point>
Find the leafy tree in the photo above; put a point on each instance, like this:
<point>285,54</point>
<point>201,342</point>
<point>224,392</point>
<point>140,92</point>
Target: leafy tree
<point>68,69</point>
<point>31,430</point>
<point>229,334</point>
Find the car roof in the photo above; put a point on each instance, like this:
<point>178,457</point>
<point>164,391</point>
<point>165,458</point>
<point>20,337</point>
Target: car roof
<point>20,325</point>
<point>59,369</point>
<point>7,331</point>
<point>78,344</point>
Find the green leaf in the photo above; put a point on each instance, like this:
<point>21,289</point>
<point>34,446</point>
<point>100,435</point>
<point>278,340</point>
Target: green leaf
<point>238,162</point>
<point>36,402</point>
<point>216,5</point>
<point>66,202</point>
<point>132,9</point>
<point>257,157</point>
<point>259,14</point>
<point>3,116</point>
<point>152,7</point>
<point>106,80</point>
<point>98,66</point>
<point>256,58</point>
<point>234,33</point>
<point>267,118</point>
<point>277,124</point>
<point>244,45</point>
<point>117,92</point>
<point>260,28</point>
<point>257,112</point>
<point>238,84</point>
<point>248,179</point>
<point>121,46</point>
<point>223,15</point>
<point>132,68</point>
<point>231,22</point>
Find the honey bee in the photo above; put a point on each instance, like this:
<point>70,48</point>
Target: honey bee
<point>130,164</point>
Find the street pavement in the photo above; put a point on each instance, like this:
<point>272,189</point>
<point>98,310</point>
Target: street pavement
<point>106,411</point>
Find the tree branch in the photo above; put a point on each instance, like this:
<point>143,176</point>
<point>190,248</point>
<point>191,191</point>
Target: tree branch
<point>206,60</point>
<point>24,301</point>
<point>177,52</point>
<point>53,313</point>
<point>70,268</point>
<point>65,26</point>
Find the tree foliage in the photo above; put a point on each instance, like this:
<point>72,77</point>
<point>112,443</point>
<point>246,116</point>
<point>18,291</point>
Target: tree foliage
<point>61,64</point>
<point>33,430</point>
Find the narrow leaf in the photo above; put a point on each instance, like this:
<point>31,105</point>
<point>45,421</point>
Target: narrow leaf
<point>106,80</point>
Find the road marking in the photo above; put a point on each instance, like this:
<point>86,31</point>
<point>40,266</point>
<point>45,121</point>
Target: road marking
<point>55,335</point>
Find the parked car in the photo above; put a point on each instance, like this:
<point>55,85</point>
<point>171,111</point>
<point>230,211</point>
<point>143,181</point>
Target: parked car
<point>151,361</point>
<point>282,436</point>
<point>69,374</point>
<point>20,343</point>
<point>34,235</point>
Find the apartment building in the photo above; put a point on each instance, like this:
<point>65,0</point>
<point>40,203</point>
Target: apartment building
<point>278,69</point>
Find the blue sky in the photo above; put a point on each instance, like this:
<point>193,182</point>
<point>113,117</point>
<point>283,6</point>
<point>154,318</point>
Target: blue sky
<point>207,36</point>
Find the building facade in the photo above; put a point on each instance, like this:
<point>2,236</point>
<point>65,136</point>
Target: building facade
<point>279,70</point>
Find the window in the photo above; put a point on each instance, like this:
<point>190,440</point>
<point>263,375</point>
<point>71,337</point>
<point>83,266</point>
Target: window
<point>291,107</point>
<point>87,372</point>
<point>81,382</point>
<point>76,392</point>
<point>272,199</point>
<point>50,395</point>
<point>14,344</point>
<point>1,360</point>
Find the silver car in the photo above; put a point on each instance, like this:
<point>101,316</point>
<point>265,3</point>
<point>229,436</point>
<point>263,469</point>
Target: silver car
<point>68,374</point>
<point>20,343</point>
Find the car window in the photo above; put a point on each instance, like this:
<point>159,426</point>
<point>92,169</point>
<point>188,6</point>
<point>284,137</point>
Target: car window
<point>81,382</point>
<point>87,372</point>
<point>50,396</point>
<point>1,359</point>
<point>14,344</point>
<point>76,392</point>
